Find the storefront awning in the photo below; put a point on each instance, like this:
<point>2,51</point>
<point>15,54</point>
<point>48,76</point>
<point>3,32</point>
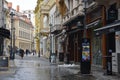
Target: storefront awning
<point>73,31</point>
<point>62,33</point>
<point>4,33</point>
<point>113,27</point>
<point>93,24</point>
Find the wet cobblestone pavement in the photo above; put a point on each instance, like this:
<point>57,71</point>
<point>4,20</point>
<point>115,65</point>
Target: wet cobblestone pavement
<point>35,68</point>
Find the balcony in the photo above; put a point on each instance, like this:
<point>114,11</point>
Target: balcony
<point>44,9</point>
<point>56,28</point>
<point>77,11</point>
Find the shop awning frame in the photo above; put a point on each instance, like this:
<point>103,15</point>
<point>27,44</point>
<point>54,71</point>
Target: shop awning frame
<point>113,27</point>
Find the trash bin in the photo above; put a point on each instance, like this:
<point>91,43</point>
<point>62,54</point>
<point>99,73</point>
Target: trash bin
<point>4,62</point>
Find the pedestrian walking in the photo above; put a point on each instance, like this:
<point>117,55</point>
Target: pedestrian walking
<point>39,54</point>
<point>27,52</point>
<point>22,53</point>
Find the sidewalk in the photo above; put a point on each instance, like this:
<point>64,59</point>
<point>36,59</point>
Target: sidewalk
<point>100,74</point>
<point>96,72</point>
<point>12,67</point>
<point>9,69</point>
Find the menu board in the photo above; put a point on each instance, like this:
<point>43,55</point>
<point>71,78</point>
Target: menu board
<point>4,61</point>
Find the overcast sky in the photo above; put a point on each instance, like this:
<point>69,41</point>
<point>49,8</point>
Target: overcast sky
<point>24,4</point>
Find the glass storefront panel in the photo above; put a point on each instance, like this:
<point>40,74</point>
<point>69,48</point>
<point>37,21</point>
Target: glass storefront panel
<point>96,50</point>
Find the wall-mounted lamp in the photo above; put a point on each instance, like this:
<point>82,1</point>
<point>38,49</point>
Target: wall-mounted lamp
<point>80,25</point>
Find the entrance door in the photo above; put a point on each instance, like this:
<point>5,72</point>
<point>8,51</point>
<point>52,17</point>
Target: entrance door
<point>110,50</point>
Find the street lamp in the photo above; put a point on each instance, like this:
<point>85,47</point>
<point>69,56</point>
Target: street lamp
<point>81,25</point>
<point>52,53</point>
<point>50,43</point>
<point>12,50</point>
<point>84,22</point>
<point>85,45</point>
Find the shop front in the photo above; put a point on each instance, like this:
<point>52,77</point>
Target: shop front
<point>72,46</point>
<point>112,38</point>
<point>112,35</point>
<point>96,19</point>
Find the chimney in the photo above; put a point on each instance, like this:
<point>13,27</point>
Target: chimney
<point>9,4</point>
<point>18,8</point>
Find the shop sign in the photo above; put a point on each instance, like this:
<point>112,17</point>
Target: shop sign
<point>112,14</point>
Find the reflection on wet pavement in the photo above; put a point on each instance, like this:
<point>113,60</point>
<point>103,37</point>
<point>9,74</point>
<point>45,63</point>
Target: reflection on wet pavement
<point>41,70</point>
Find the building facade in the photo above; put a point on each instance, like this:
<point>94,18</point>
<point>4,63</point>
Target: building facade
<point>71,43</point>
<point>110,31</point>
<point>4,28</point>
<point>104,36</point>
<point>24,33</point>
<point>42,26</point>
<point>31,16</point>
<point>37,25</point>
<point>102,28</point>
<point>96,17</point>
<point>23,30</point>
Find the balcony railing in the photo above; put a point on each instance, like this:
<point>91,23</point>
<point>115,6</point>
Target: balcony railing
<point>56,27</point>
<point>45,9</point>
<point>78,10</point>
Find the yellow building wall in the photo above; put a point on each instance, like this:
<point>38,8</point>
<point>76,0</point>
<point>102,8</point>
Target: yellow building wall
<point>41,10</point>
<point>38,24</point>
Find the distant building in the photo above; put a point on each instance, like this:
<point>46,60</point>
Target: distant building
<point>31,17</point>
<point>23,30</point>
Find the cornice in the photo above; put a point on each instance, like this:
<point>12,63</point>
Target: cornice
<point>39,2</point>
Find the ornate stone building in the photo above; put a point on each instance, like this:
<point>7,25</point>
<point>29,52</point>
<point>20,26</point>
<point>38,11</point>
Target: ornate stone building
<point>42,25</point>
<point>23,29</point>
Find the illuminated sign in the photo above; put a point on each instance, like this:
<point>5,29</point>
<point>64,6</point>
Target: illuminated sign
<point>85,50</point>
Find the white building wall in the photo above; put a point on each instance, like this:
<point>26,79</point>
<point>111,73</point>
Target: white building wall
<point>1,13</point>
<point>51,14</point>
<point>60,48</point>
<point>74,3</point>
<point>41,45</point>
<point>45,21</point>
<point>71,5</point>
<point>52,21</point>
<point>118,42</point>
<point>44,45</point>
<point>53,44</point>
<point>118,34</point>
<point>3,23</point>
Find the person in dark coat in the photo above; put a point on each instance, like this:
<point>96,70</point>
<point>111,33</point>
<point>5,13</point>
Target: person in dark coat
<point>27,51</point>
<point>22,53</point>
